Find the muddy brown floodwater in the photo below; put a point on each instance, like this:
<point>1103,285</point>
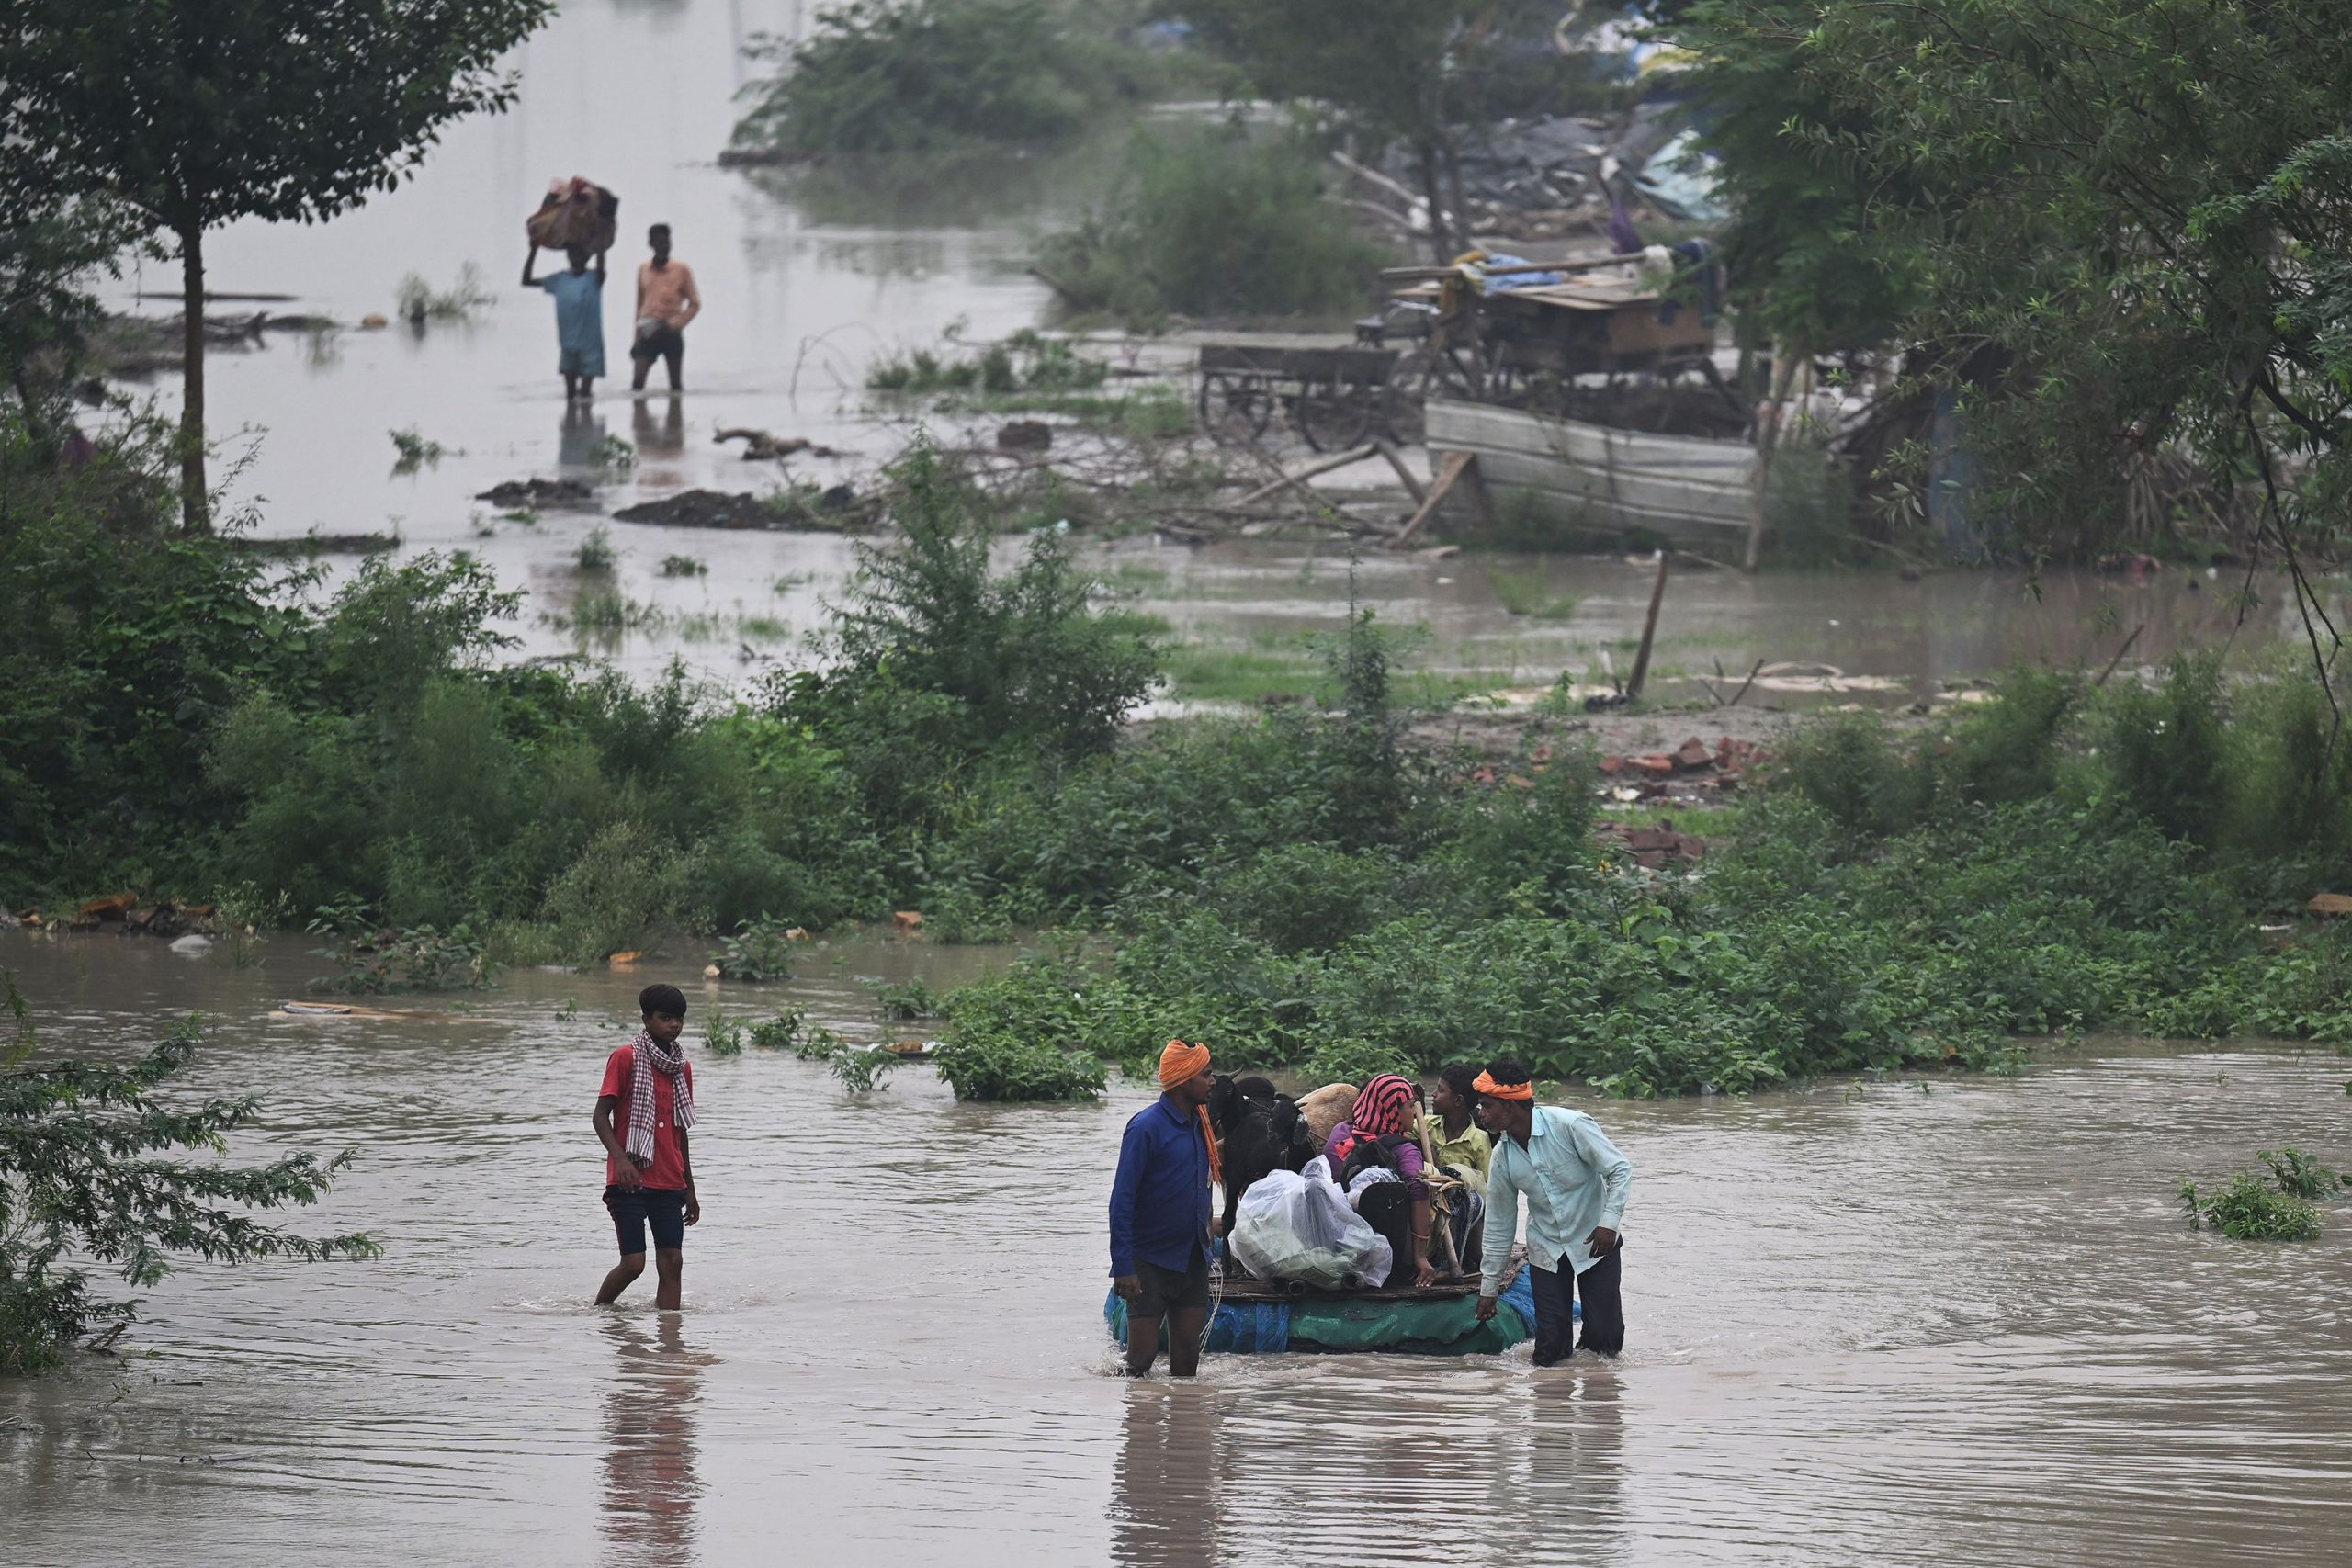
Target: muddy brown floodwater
<point>1941,1320</point>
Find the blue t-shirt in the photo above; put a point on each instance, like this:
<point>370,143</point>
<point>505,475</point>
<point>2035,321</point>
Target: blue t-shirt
<point>578,309</point>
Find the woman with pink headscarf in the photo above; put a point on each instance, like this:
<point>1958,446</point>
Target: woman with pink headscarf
<point>1378,1133</point>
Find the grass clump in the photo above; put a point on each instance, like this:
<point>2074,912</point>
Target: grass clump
<point>860,1069</point>
<point>1215,223</point>
<point>1025,361</point>
<point>938,75</point>
<point>417,300</point>
<point>595,555</point>
<point>684,565</point>
<point>722,1035</point>
<point>415,450</point>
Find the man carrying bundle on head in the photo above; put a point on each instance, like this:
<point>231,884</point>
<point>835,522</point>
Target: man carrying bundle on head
<point>1576,1183</point>
<point>642,1115</point>
<point>1160,1227</point>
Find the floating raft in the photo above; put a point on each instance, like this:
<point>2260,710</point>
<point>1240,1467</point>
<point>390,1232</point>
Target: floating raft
<point>1262,1317</point>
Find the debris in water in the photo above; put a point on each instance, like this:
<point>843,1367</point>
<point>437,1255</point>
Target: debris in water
<point>760,445</point>
<point>1025,436</point>
<point>832,511</point>
<point>536,493</point>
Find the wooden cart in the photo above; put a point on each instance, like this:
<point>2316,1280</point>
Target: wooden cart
<point>1333,388</point>
<point>1526,347</point>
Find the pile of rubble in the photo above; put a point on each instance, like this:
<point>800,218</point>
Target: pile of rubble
<point>126,915</point>
<point>1652,848</point>
<point>1692,772</point>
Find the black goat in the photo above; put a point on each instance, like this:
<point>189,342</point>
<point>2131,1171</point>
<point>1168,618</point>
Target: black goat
<point>1259,1131</point>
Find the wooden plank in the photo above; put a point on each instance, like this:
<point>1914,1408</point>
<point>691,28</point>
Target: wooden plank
<point>1456,463</point>
<point>1413,486</point>
<point>1298,481</point>
<point>1485,425</point>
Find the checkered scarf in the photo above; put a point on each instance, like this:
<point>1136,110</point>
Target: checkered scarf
<point>640,1094</point>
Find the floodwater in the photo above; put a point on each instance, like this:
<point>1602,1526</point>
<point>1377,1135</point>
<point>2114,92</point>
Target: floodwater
<point>1941,1320</point>
<point>806,283</point>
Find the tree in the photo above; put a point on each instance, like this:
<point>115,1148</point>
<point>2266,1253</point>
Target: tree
<point>50,244</point>
<point>197,112</point>
<point>2122,230</point>
<point>1420,71</point>
<point>79,1176</point>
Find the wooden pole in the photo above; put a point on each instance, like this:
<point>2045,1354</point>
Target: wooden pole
<point>1413,487</point>
<point>1456,463</point>
<point>1649,631</point>
<point>1299,478</point>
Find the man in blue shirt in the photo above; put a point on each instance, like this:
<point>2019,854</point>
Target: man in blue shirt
<point>1159,1216</point>
<point>1576,1184</point>
<point>579,318</point>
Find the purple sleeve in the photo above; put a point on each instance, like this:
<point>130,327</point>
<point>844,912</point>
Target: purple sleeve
<point>1409,1165</point>
<point>1340,1134</point>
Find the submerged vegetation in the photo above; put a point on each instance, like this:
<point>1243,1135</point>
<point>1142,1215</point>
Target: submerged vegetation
<point>2249,1209</point>
<point>1215,223</point>
<point>92,1171</point>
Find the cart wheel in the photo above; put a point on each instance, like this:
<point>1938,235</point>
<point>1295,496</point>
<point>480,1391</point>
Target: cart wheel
<point>1235,409</point>
<point>1428,369</point>
<point>1334,415</point>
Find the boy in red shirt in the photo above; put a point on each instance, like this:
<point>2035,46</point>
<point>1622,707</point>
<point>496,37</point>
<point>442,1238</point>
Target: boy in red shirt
<point>642,1115</point>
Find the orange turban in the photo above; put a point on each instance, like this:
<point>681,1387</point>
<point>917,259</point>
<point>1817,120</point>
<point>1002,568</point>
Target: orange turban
<point>1181,1063</point>
<point>1486,1084</point>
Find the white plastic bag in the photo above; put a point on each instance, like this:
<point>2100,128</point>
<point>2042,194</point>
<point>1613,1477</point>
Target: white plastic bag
<point>1294,1226</point>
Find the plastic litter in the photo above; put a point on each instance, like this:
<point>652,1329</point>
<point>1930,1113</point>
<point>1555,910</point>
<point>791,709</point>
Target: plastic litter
<point>1291,1225</point>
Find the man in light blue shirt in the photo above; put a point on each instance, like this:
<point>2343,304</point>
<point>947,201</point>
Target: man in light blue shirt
<point>1576,1183</point>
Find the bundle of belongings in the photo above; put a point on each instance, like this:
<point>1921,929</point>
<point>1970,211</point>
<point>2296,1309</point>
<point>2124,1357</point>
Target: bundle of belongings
<point>1298,1226</point>
<point>574,212</point>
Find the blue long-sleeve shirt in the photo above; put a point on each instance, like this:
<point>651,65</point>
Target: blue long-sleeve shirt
<point>1159,1199</point>
<point>1574,1179</point>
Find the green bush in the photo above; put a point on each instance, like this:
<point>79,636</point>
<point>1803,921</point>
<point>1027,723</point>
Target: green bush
<point>370,960</point>
<point>1001,1069</point>
<point>758,950</point>
<point>1216,223</point>
<point>2164,750</point>
<point>2246,1210</point>
<point>932,76</point>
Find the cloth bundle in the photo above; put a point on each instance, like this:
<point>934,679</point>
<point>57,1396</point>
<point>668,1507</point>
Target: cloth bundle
<point>574,212</point>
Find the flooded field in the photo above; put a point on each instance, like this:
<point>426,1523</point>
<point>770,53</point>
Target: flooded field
<point>1903,1321</point>
<point>807,283</point>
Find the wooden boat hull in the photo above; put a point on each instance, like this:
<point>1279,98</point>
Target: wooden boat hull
<point>1678,487</point>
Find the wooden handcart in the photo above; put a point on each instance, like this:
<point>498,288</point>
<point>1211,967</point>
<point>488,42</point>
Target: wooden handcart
<point>1333,389</point>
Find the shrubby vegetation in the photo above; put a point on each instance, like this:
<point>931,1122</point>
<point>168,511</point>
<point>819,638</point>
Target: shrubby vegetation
<point>877,76</point>
<point>1304,885</point>
<point>1215,223</point>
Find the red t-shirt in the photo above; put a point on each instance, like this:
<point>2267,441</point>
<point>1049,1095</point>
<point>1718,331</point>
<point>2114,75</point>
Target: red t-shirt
<point>668,1170</point>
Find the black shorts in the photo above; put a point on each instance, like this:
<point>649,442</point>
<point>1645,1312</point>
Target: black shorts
<point>663,1208</point>
<point>1167,1288</point>
<point>661,341</point>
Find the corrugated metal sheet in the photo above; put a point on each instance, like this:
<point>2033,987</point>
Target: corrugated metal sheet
<point>1678,486</point>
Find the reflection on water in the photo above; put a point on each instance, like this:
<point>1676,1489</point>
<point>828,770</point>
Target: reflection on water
<point>1164,1484</point>
<point>1947,1320</point>
<point>665,439</point>
<point>652,1480</point>
<point>578,437</point>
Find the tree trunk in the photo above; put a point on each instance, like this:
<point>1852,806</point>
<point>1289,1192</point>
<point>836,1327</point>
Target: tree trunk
<point>194,505</point>
<point>1441,238</point>
<point>1767,441</point>
<point>1452,154</point>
